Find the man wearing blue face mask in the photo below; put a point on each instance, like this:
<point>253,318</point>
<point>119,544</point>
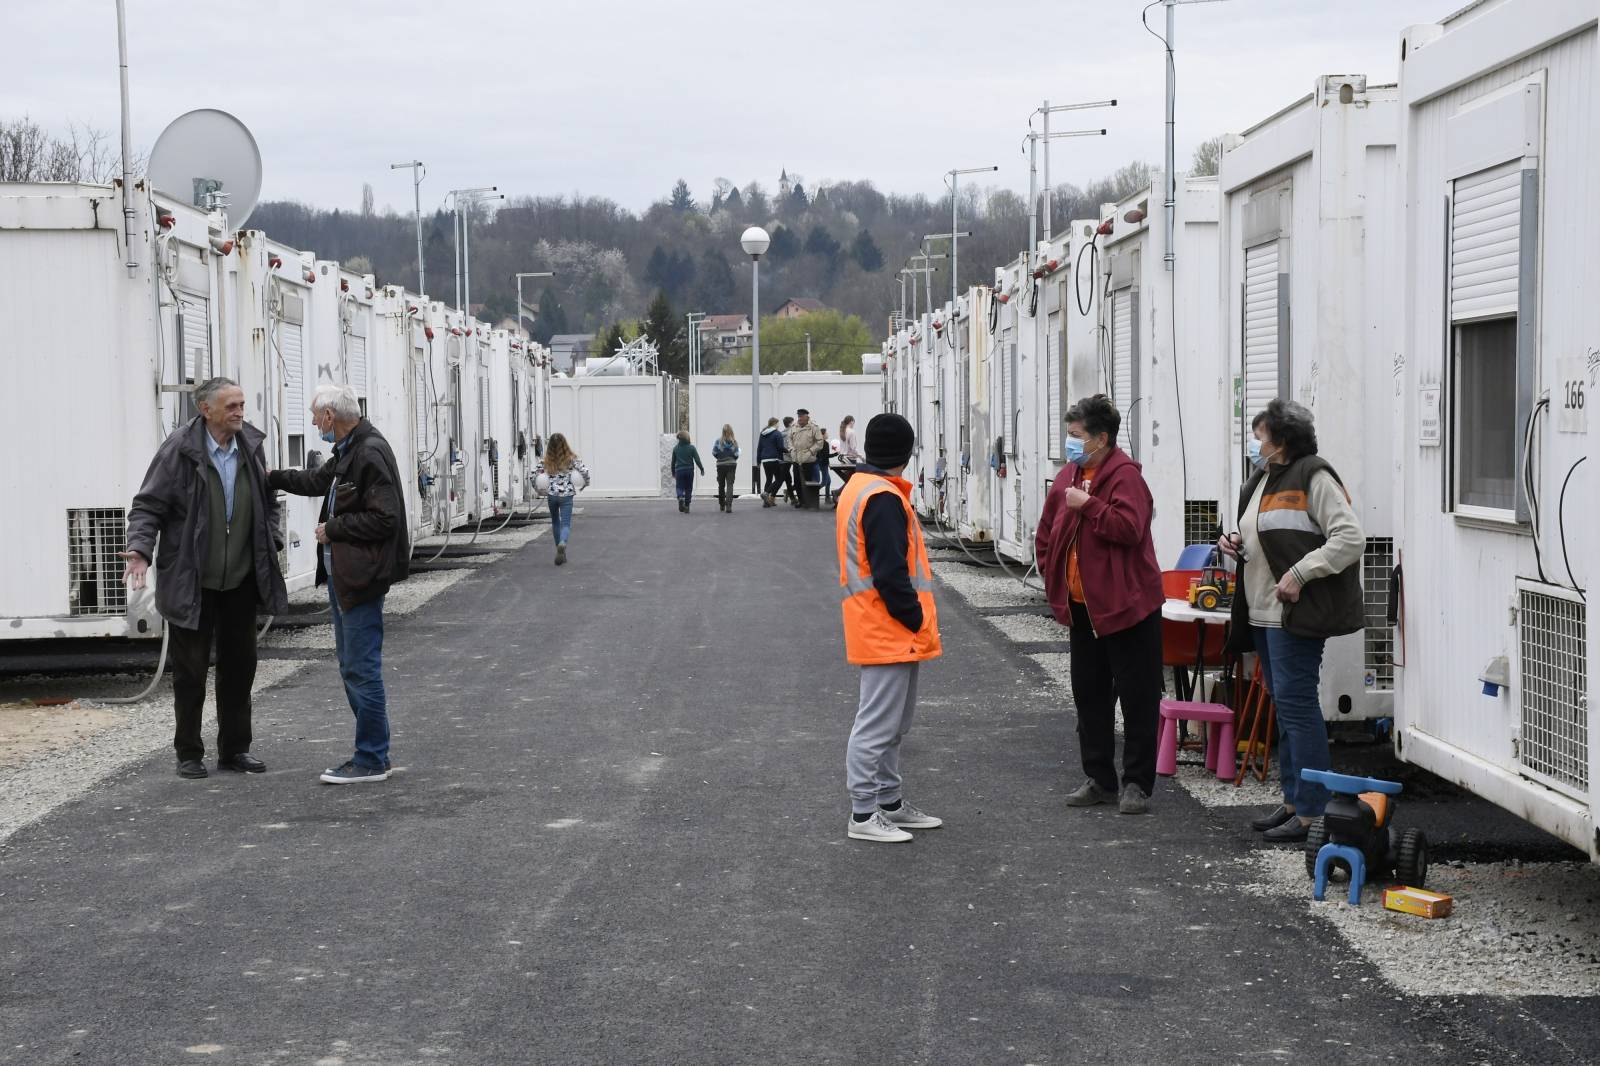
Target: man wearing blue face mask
<point>364,551</point>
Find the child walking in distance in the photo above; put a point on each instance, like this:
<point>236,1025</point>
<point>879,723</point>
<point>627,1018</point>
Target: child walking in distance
<point>685,457</point>
<point>890,626</point>
<point>559,478</point>
<point>725,452</point>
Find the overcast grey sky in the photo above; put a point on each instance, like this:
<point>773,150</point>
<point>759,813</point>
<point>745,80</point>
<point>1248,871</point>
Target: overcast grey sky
<point>620,99</point>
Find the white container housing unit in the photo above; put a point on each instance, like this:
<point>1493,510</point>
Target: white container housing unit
<point>1165,366</point>
<point>83,338</point>
<point>1311,267</point>
<point>1498,522</point>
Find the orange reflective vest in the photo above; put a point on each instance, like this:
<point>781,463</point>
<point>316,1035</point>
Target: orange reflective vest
<point>872,636</point>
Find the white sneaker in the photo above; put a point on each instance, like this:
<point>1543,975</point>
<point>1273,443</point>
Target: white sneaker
<point>877,828</point>
<point>908,817</point>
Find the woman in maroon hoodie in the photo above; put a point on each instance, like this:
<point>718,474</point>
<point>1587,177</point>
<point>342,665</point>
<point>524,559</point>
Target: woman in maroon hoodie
<point>1102,579</point>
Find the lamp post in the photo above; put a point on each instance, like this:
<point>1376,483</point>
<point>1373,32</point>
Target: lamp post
<point>955,222</point>
<point>755,241</point>
<point>418,172</point>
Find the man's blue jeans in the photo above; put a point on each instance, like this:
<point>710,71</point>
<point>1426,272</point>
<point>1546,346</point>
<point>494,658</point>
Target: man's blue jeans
<point>561,518</point>
<point>1292,668</point>
<point>358,636</point>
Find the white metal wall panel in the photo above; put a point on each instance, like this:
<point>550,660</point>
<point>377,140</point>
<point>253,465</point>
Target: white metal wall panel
<point>1485,224</point>
<point>291,346</point>
<point>195,311</point>
<point>357,352</point>
<point>1260,327</point>
<point>1122,348</point>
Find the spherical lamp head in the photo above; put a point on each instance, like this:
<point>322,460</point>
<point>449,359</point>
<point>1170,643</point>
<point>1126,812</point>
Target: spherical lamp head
<point>755,242</point>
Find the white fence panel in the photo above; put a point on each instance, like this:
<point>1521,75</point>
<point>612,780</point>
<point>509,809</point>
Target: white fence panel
<point>614,424</point>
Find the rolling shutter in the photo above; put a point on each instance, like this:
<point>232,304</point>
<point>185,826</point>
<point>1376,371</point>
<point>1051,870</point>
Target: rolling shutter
<point>483,405</point>
<point>357,352</point>
<point>1485,232</point>
<point>194,316</point>
<point>1122,348</point>
<point>1056,342</point>
<point>1261,369</point>
<point>292,348</point>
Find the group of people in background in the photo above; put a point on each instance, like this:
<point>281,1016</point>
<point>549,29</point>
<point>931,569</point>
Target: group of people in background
<point>792,456</point>
<point>1297,546</point>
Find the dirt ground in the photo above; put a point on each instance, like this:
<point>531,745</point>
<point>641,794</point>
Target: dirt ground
<point>27,730</point>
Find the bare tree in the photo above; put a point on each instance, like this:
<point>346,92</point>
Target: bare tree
<point>1207,157</point>
<point>366,199</point>
<point>29,153</point>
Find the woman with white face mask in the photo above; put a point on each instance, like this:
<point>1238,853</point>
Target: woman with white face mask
<point>1299,549</point>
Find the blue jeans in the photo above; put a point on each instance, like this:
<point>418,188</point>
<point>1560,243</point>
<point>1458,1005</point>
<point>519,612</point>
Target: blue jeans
<point>685,479</point>
<point>1292,668</point>
<point>358,636</point>
<point>561,518</point>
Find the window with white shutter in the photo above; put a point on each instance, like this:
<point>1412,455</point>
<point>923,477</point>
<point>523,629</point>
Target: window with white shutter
<point>194,316</point>
<point>291,347</point>
<point>1057,347</point>
<point>1262,315</point>
<point>356,351</point>
<point>422,434</point>
<point>1122,348</point>
<point>1490,275</point>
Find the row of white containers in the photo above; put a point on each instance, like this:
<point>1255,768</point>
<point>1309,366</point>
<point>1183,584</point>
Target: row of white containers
<point>1413,262</point>
<point>100,365</point>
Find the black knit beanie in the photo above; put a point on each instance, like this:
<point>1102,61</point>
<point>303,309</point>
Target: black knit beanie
<point>889,441</point>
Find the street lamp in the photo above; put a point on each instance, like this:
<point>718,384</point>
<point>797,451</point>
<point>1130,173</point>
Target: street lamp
<point>418,172</point>
<point>755,241</point>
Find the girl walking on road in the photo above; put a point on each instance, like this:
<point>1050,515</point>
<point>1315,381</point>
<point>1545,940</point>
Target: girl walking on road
<point>769,453</point>
<point>559,478</point>
<point>726,455</point>
<point>685,457</point>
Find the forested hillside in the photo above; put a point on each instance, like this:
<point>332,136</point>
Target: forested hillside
<point>840,243</point>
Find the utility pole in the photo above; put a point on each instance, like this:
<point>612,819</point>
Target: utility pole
<point>129,214</point>
<point>1171,201</point>
<point>418,172</point>
<point>472,197</point>
<point>808,350</point>
<point>955,226</point>
<point>528,274</point>
<point>1049,191</point>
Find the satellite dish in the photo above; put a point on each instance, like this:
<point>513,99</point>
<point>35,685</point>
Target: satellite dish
<point>208,158</point>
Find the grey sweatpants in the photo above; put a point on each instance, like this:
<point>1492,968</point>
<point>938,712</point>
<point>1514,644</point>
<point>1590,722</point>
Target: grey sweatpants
<point>872,760</point>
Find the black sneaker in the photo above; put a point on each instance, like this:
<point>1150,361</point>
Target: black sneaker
<point>351,773</point>
<point>1291,832</point>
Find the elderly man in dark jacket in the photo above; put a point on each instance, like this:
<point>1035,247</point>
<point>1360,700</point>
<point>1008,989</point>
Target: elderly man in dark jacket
<point>364,550</point>
<point>205,518</point>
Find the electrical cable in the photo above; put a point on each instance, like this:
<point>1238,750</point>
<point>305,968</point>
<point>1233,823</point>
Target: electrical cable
<point>1561,526</point>
<point>1528,484</point>
<point>161,667</point>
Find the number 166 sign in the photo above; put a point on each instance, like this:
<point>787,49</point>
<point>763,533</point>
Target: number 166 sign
<point>1572,395</point>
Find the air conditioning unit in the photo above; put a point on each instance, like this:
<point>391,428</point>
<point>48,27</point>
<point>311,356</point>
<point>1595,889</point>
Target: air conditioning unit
<point>1553,687</point>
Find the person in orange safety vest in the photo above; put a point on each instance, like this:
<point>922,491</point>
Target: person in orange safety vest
<point>890,626</point>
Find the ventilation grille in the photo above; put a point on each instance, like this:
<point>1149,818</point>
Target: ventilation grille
<point>1377,562</point>
<point>94,573</point>
<point>1200,521</point>
<point>1553,642</point>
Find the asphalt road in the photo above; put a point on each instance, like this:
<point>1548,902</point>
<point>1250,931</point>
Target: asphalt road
<point>618,837</point>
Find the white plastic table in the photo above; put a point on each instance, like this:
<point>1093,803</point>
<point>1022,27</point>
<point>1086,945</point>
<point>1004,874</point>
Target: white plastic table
<point>1184,611</point>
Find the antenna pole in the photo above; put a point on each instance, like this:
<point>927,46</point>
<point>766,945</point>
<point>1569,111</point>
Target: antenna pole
<point>128,213</point>
<point>1172,108</point>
